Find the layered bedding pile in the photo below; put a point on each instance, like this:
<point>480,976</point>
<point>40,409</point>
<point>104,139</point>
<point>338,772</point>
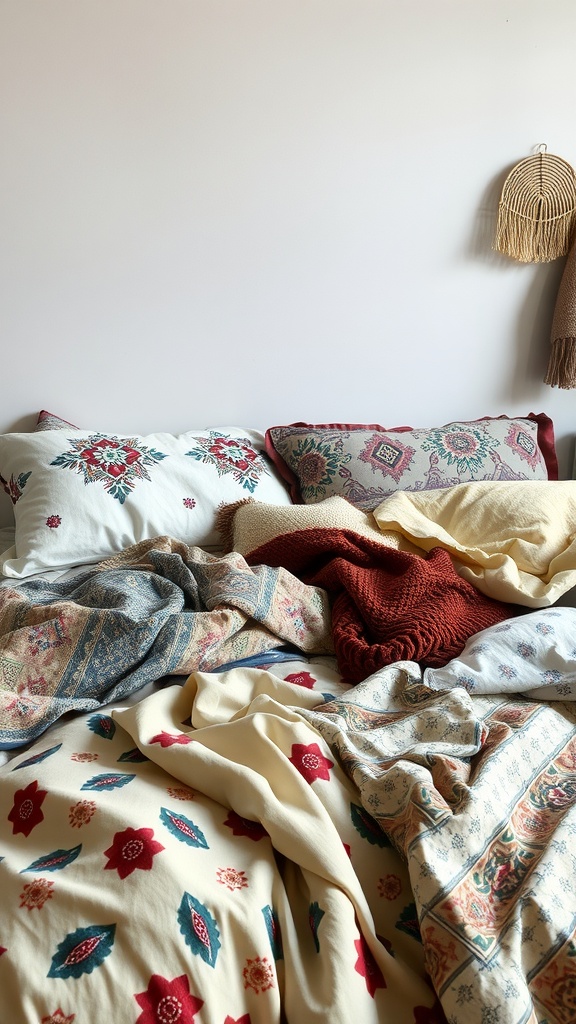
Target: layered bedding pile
<point>288,726</point>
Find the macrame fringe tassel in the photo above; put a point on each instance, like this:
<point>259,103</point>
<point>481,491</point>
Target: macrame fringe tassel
<point>562,364</point>
<point>530,241</point>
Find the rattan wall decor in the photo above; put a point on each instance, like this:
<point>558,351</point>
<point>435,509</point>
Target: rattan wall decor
<point>537,209</point>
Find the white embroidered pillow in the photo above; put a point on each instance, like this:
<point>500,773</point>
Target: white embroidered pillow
<point>81,495</point>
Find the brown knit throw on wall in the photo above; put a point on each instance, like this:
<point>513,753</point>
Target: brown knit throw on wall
<point>562,363</point>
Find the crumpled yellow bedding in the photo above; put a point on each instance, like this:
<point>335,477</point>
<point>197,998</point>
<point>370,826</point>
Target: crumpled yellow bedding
<point>514,540</point>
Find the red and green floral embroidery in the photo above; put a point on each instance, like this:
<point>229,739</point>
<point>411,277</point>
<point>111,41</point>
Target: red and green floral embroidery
<point>230,455</point>
<point>167,1002</point>
<point>461,445</point>
<point>118,463</point>
<point>27,810</point>
<point>133,849</point>
<point>15,486</point>
<point>317,462</point>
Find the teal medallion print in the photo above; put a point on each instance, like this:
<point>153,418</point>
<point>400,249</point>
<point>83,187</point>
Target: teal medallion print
<point>116,462</point>
<point>233,455</point>
<point>462,446</point>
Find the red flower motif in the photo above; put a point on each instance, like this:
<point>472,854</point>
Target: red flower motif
<point>244,1019</point>
<point>390,887</point>
<point>301,679</point>
<point>26,812</point>
<point>168,739</point>
<point>258,974</point>
<point>309,760</point>
<point>167,1002</point>
<point>189,502</point>
<point>367,967</point>
<point>244,827</point>
<point>58,1017</point>
<point>100,455</point>
<point>35,894</point>
<point>53,522</point>
<point>133,848</point>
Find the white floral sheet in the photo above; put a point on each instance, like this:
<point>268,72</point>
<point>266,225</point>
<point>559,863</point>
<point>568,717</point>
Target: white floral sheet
<point>201,856</point>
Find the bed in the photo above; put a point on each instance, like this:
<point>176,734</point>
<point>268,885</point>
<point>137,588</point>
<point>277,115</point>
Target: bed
<point>288,725</point>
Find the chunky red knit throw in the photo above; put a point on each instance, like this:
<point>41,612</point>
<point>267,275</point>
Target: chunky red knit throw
<point>387,605</point>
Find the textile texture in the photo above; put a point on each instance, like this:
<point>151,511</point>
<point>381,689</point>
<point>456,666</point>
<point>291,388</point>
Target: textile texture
<point>72,645</point>
<point>514,541</point>
<point>154,872</point>
<point>366,464</point>
<point>478,794</point>
<point>387,605</point>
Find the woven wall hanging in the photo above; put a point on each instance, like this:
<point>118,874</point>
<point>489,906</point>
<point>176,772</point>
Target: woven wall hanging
<point>537,209</point>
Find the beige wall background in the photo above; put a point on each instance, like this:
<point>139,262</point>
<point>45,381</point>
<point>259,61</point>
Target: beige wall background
<point>254,212</point>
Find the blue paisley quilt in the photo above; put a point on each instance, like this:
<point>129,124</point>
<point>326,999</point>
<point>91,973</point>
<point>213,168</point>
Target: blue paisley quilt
<point>159,609</point>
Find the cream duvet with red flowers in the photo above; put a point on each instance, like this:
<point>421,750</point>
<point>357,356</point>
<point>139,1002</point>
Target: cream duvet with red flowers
<point>201,857</point>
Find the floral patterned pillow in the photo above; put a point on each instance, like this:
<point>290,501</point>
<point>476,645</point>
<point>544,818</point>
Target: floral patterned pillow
<point>81,495</point>
<point>367,463</point>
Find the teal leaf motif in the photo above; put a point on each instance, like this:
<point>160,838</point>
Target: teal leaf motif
<point>110,781</point>
<point>36,758</point>
<point>368,827</point>
<point>315,915</point>
<point>183,828</point>
<point>199,929</point>
<point>408,922</point>
<point>81,951</point>
<point>102,725</point>
<point>134,756</point>
<point>54,861</point>
<point>274,934</point>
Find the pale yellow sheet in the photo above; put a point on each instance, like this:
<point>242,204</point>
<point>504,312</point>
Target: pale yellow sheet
<point>514,540</point>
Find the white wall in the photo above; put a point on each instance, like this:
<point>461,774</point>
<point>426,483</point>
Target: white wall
<point>260,211</point>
